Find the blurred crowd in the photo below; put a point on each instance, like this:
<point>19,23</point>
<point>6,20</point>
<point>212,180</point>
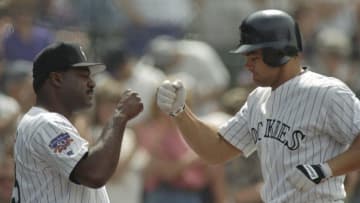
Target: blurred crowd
<point>142,43</point>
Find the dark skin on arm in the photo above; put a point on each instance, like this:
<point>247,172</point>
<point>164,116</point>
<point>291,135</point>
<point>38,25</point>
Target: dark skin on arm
<point>97,167</point>
<point>69,91</point>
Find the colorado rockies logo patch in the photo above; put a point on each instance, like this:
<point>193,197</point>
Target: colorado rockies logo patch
<point>60,142</point>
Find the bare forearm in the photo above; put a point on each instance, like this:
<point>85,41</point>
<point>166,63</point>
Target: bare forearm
<point>102,159</point>
<point>348,161</point>
<point>123,164</point>
<point>345,163</point>
<point>204,139</point>
<point>98,166</point>
<point>106,151</point>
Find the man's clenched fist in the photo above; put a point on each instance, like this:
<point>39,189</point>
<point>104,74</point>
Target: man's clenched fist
<point>171,97</point>
<point>130,105</point>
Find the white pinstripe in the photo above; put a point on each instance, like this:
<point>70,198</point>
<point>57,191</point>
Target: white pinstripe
<point>307,120</point>
<point>43,175</point>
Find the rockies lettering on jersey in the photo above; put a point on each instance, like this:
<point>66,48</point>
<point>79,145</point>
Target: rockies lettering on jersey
<point>309,119</point>
<point>277,130</point>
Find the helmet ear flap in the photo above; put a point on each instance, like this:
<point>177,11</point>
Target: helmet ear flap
<point>274,57</point>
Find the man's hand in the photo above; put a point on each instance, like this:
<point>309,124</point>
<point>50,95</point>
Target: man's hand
<point>129,106</point>
<point>304,177</point>
<point>171,97</point>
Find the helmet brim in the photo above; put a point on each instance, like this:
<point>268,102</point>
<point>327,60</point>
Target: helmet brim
<point>247,48</point>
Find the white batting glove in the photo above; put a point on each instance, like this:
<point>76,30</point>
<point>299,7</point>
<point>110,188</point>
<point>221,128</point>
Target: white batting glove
<point>171,97</point>
<point>304,177</point>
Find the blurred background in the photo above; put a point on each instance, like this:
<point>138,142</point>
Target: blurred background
<point>143,42</point>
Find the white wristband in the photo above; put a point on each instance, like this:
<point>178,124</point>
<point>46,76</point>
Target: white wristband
<point>174,114</point>
<point>327,170</point>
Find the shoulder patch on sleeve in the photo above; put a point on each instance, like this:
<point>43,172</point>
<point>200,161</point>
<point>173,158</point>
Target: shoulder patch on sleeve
<point>60,142</point>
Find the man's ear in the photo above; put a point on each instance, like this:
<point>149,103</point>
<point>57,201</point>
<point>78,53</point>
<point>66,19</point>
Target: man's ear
<point>56,78</point>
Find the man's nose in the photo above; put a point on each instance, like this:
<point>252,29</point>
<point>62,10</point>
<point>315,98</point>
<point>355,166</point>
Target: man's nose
<point>92,83</point>
<point>249,65</point>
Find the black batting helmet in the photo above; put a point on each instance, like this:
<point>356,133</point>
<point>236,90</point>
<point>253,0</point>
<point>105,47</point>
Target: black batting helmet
<point>273,31</point>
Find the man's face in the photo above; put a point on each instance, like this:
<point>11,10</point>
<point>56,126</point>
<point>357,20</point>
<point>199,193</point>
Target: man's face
<point>78,87</point>
<point>262,74</point>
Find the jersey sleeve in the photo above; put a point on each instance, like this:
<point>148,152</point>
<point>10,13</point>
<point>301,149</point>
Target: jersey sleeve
<point>343,114</point>
<point>236,132</point>
<point>58,143</point>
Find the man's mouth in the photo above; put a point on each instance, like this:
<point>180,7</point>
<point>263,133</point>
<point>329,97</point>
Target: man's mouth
<point>90,92</point>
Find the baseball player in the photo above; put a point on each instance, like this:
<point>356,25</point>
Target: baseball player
<point>53,163</point>
<point>304,126</point>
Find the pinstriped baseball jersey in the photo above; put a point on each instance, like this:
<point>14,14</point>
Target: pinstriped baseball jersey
<point>47,148</point>
<point>307,120</point>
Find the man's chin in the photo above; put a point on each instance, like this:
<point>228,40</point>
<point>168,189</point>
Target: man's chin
<point>86,106</point>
